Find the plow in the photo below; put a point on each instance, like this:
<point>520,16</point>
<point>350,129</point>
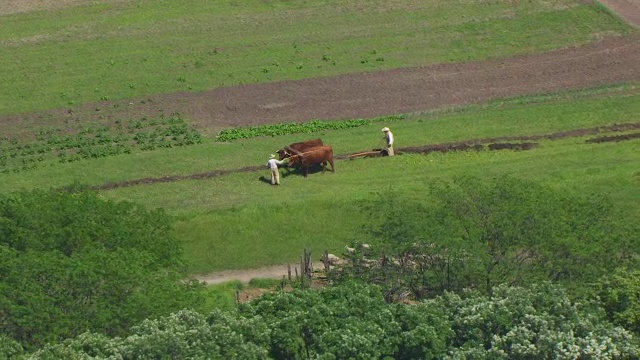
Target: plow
<point>366,154</point>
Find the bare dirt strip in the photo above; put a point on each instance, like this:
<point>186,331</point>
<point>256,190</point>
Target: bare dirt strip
<point>21,6</point>
<point>607,61</point>
<point>246,275</point>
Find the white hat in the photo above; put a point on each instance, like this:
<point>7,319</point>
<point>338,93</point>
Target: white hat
<point>385,129</point>
<point>272,156</point>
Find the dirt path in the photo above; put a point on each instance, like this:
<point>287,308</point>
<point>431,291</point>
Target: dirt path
<point>245,275</point>
<point>268,272</point>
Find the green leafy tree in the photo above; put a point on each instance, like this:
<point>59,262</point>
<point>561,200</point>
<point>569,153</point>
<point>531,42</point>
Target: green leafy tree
<point>426,330</point>
<point>72,262</point>
<point>185,334</point>
<point>9,348</point>
<point>619,294</point>
<point>352,321</point>
<point>394,259</point>
<point>474,233</point>
<point>345,322</point>
<point>522,232</point>
<point>539,322</point>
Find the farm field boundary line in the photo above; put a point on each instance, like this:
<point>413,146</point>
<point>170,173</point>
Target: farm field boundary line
<point>462,145</point>
<point>610,60</point>
<point>551,136</point>
<point>629,10</point>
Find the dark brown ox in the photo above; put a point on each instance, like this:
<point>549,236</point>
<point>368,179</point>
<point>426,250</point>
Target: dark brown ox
<point>318,155</point>
<point>299,147</point>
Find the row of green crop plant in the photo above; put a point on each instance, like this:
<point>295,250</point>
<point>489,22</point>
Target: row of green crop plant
<point>297,128</point>
<point>61,145</point>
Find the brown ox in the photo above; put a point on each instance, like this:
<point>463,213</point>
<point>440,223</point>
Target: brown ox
<point>299,147</point>
<point>314,156</point>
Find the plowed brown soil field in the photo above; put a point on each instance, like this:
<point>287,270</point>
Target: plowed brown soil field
<point>607,61</point>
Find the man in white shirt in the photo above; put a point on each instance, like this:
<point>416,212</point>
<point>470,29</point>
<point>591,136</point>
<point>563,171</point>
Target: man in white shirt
<point>275,172</point>
<point>388,137</point>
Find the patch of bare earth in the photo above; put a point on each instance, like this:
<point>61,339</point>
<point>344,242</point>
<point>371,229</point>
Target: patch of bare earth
<point>607,61</point>
<point>287,271</point>
<point>629,10</point>
<point>8,7</point>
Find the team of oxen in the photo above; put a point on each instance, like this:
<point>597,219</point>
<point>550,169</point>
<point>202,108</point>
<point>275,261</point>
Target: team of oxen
<point>306,154</point>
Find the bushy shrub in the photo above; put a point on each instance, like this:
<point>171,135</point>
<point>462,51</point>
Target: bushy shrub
<point>619,294</point>
<point>352,321</point>
<point>475,233</point>
<point>540,322</point>
<point>71,262</point>
<point>9,348</point>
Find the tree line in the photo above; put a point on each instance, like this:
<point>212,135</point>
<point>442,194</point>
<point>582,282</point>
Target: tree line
<point>470,269</point>
<point>353,321</point>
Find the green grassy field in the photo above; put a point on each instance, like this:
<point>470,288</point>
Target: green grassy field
<point>240,221</point>
<point>264,225</point>
<point>120,50</point>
